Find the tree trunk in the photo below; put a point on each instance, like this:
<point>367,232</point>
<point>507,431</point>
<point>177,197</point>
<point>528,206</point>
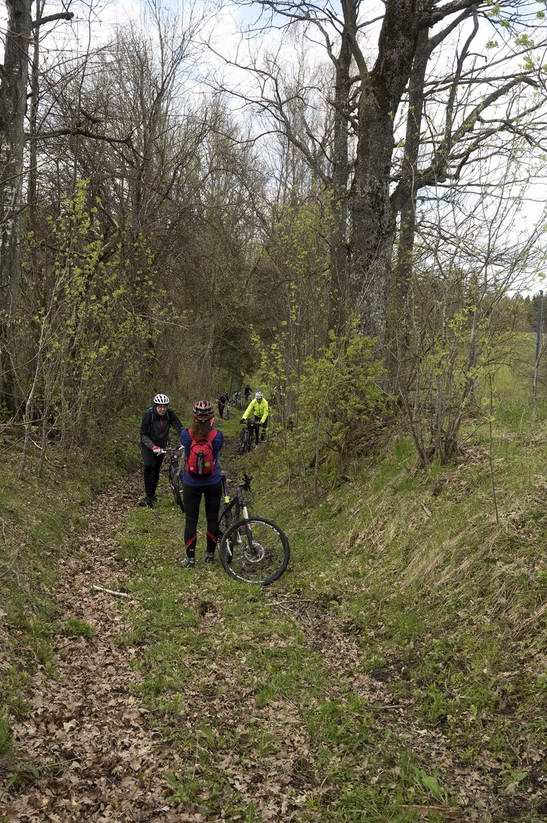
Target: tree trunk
<point>13,94</point>
<point>373,224</point>
<point>32,193</point>
<point>405,204</point>
<point>339,262</point>
<point>404,267</point>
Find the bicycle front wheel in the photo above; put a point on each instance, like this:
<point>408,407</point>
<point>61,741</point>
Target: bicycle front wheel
<point>177,496</point>
<point>174,482</point>
<point>255,551</point>
<point>244,442</point>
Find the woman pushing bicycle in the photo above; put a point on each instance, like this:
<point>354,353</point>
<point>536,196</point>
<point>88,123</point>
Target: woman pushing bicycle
<point>202,476</point>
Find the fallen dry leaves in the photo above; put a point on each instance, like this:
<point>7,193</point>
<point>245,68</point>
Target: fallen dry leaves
<point>86,749</point>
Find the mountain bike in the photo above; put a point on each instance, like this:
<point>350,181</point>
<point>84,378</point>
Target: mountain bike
<point>175,483</point>
<point>246,437</point>
<point>252,549</point>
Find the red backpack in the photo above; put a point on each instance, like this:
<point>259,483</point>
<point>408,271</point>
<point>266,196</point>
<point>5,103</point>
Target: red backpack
<point>201,458</point>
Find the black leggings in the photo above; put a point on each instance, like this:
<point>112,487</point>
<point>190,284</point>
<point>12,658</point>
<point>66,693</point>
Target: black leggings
<point>191,496</point>
<point>152,466</point>
<point>257,425</point>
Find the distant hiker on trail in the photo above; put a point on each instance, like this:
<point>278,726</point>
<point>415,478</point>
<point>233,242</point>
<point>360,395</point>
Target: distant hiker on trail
<point>259,410</point>
<point>202,444</point>
<point>247,391</point>
<point>222,400</point>
<point>155,426</point>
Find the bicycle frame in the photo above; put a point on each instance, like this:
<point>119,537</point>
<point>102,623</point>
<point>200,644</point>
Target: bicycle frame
<point>240,544</point>
<point>238,500</point>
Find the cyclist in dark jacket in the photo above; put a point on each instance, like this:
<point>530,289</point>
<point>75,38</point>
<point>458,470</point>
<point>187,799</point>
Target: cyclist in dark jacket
<point>155,426</point>
<point>222,400</point>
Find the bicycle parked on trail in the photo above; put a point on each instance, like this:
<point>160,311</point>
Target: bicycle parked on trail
<point>252,549</point>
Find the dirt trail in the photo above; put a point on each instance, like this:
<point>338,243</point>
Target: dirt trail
<point>90,755</point>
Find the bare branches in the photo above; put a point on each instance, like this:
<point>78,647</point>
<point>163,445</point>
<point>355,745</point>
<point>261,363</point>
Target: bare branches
<point>80,132</point>
<point>52,18</point>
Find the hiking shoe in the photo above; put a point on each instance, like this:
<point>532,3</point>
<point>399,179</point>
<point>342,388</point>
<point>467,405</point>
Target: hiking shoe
<point>188,562</point>
<point>147,501</point>
<point>209,557</point>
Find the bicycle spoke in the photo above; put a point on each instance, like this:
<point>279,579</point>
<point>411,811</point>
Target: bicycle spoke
<point>255,551</point>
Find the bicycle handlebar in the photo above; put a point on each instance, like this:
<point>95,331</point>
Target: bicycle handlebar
<point>246,484</point>
<point>170,449</point>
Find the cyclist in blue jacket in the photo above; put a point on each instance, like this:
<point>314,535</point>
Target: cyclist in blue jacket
<point>201,476</point>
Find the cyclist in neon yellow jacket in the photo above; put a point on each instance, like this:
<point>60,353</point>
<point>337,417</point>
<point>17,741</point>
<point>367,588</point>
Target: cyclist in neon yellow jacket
<point>257,412</point>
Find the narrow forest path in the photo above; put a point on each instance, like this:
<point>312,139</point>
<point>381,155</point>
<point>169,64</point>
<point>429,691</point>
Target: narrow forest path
<point>90,755</point>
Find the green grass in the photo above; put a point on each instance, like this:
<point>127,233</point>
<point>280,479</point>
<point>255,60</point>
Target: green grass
<point>5,735</point>
<point>74,627</point>
<point>242,691</point>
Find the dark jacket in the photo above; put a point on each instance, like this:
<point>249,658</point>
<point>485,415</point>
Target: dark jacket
<point>155,428</point>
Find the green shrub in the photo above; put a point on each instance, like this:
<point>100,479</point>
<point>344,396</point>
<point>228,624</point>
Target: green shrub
<point>341,403</point>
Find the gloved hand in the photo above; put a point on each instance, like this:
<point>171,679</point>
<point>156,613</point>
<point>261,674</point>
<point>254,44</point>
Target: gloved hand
<point>156,449</point>
<point>242,420</point>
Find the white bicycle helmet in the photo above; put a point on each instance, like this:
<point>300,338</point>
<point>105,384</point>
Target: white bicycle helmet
<point>161,400</point>
<point>259,395</point>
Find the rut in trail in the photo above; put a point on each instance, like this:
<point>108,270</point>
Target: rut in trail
<point>85,749</point>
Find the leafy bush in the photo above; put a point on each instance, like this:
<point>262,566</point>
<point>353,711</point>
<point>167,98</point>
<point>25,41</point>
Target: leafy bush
<point>341,402</point>
<point>85,338</point>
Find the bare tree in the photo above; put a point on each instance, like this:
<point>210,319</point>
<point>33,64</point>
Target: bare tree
<point>13,99</point>
<point>386,78</point>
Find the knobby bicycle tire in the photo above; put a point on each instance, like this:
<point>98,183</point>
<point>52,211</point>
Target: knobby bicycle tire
<point>250,559</point>
<point>175,488</point>
<point>177,497</point>
<point>245,442</point>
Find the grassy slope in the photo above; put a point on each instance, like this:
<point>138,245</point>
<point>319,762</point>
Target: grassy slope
<point>38,518</point>
<point>400,580</point>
